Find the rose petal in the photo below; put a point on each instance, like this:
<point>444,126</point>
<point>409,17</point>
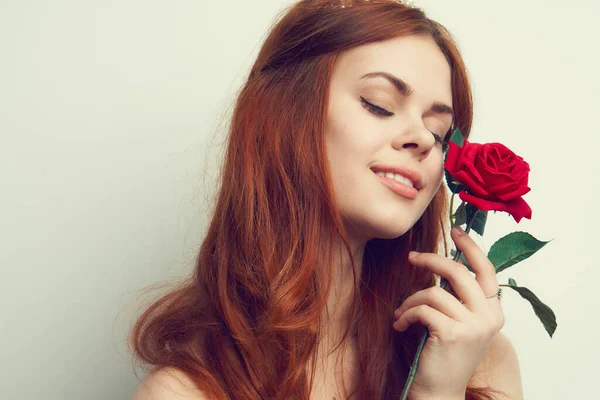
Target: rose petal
<point>459,165</point>
<point>472,150</point>
<point>482,204</point>
<point>503,187</point>
<point>454,152</point>
<point>469,168</point>
<point>518,192</point>
<point>492,177</point>
<point>467,179</point>
<point>518,208</point>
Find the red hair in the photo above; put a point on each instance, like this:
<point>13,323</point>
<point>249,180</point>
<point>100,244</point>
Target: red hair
<point>246,323</point>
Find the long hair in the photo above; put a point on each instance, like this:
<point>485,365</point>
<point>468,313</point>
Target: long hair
<point>246,323</point>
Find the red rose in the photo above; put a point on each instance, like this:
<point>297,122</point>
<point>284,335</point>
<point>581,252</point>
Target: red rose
<point>495,177</point>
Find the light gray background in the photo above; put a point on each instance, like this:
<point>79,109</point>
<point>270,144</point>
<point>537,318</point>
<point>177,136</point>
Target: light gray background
<point>111,112</point>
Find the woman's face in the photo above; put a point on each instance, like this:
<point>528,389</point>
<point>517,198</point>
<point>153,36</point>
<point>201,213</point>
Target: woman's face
<point>358,139</point>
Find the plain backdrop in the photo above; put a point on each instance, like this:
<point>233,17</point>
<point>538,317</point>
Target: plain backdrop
<point>112,119</point>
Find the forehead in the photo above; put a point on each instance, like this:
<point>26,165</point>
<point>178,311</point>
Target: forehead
<point>415,59</point>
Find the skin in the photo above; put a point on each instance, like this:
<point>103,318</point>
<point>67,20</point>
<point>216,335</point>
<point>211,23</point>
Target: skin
<point>358,139</point>
<point>464,340</point>
<point>461,334</point>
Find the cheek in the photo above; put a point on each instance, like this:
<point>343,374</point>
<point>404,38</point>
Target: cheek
<point>348,144</point>
<point>437,178</point>
<point>440,174</point>
<point>350,124</point>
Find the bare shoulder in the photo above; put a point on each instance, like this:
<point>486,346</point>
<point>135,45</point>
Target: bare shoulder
<point>500,370</point>
<point>167,384</point>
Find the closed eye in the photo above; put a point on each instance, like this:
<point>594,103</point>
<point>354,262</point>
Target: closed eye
<point>385,113</point>
<point>375,109</point>
<point>439,139</point>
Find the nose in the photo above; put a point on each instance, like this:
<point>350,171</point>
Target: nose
<point>415,139</point>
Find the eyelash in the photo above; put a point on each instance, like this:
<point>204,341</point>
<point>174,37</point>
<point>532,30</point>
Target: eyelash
<point>385,113</point>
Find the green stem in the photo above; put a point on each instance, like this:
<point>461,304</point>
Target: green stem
<point>452,214</point>
<point>415,364</point>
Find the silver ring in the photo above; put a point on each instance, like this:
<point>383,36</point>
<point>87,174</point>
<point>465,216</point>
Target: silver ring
<point>496,293</point>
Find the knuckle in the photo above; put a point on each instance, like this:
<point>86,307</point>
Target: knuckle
<point>487,264</point>
<point>465,273</point>
<point>421,309</point>
<point>495,323</point>
<point>455,275</point>
<point>434,293</point>
<point>420,312</point>
<point>459,274</point>
<point>453,335</point>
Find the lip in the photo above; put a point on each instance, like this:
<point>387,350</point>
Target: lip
<point>413,175</point>
<point>397,187</point>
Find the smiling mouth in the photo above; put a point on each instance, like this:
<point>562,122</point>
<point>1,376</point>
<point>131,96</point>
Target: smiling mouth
<point>397,177</point>
<point>397,187</point>
<point>406,175</point>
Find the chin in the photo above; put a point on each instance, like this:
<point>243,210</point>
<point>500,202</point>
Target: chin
<point>390,225</point>
<point>393,231</point>
<point>383,228</point>
<point>366,221</point>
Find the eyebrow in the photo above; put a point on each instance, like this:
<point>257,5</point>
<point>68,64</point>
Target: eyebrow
<point>406,90</point>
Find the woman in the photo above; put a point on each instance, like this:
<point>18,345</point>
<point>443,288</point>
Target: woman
<point>303,287</point>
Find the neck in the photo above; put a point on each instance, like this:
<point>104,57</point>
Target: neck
<point>339,303</point>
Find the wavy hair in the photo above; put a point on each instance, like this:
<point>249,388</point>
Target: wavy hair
<point>246,323</point>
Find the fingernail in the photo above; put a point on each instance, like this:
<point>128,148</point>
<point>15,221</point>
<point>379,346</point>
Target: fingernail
<point>413,254</point>
<point>397,313</point>
<point>458,231</point>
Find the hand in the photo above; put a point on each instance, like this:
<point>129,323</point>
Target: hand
<point>460,334</point>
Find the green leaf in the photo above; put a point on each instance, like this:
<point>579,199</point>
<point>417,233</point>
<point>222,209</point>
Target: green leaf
<point>462,259</point>
<point>457,137</point>
<point>480,219</point>
<point>512,282</point>
<point>461,215</point>
<point>544,313</point>
<point>513,248</point>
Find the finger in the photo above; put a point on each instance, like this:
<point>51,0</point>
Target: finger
<point>450,290</point>
<point>485,273</point>
<point>463,283</point>
<point>434,320</point>
<point>437,298</point>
